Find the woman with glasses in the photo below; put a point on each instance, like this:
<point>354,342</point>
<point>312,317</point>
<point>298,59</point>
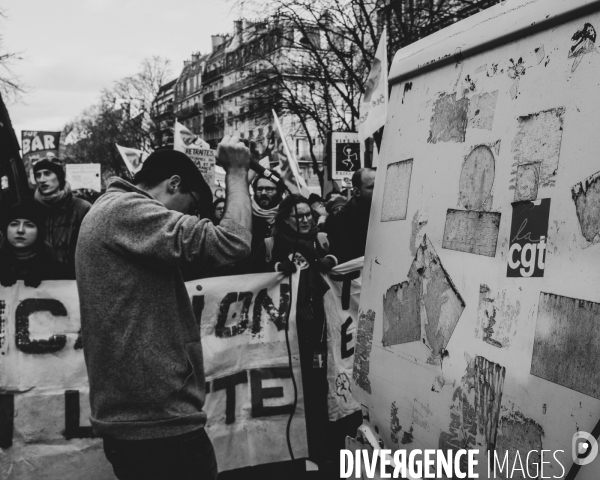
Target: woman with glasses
<point>218,210</point>
<point>296,243</point>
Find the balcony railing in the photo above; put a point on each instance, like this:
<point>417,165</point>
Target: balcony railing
<point>212,96</point>
<point>187,112</point>
<point>208,76</point>
<point>213,120</point>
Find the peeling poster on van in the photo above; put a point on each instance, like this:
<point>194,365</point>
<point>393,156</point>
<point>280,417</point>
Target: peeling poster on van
<point>528,238</point>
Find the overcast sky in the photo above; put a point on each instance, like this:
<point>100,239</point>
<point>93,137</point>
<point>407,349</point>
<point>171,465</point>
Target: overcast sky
<point>75,48</point>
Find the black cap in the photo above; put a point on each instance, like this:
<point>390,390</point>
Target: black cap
<point>313,197</point>
<point>54,166</point>
<point>29,210</point>
<point>174,162</point>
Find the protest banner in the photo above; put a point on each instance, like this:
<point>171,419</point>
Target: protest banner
<point>347,156</point>
<point>132,157</point>
<point>287,163</point>
<point>374,102</point>
<point>84,175</point>
<point>197,149</point>
<point>341,308</point>
<point>44,404</point>
<point>184,138</point>
<point>36,146</point>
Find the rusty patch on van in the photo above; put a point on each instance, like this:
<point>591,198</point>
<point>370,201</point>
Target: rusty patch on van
<point>416,225</point>
<point>477,178</point>
<point>396,190</point>
<point>362,353</point>
<point>395,426</point>
<point>566,346</point>
<point>496,317</point>
<point>449,120</point>
<point>427,306</point>
<point>481,110</point>
<point>407,88</point>
<point>517,433</point>
<point>538,139</point>
<point>527,181</point>
<point>471,232</point>
<point>475,411</point>
<point>585,40</point>
<point>586,195</point>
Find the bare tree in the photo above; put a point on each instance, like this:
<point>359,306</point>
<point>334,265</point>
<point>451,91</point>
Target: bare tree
<point>317,54</point>
<point>11,86</point>
<point>122,115</point>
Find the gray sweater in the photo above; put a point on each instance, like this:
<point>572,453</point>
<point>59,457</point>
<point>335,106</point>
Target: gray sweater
<point>141,341</point>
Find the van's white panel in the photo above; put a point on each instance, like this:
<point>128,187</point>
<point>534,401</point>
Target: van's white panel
<point>418,398</point>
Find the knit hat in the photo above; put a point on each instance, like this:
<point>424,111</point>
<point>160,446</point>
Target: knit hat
<point>173,162</point>
<point>313,197</point>
<point>335,202</point>
<point>29,210</point>
<point>54,166</point>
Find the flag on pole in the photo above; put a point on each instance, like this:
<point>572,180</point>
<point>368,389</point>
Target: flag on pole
<point>288,165</point>
<point>183,138</point>
<point>132,157</point>
<point>373,105</point>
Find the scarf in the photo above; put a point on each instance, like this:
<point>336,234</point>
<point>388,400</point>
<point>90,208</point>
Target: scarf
<point>304,243</point>
<point>54,199</point>
<point>258,211</point>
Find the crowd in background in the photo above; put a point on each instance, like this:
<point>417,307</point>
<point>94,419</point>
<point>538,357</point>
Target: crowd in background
<point>39,235</point>
<point>289,233</point>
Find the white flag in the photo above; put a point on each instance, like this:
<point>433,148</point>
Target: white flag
<point>132,157</point>
<point>373,105</point>
<point>183,138</point>
<point>288,165</point>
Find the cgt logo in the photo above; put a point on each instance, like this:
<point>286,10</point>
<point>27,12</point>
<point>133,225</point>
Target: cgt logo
<point>585,448</point>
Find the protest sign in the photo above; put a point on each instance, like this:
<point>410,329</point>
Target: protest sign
<point>36,146</point>
<point>341,308</point>
<point>84,175</point>
<point>346,156</point>
<point>44,407</point>
<point>184,138</point>
<point>132,157</point>
<point>197,149</point>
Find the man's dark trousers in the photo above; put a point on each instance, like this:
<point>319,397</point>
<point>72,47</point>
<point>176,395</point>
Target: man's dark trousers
<point>185,457</point>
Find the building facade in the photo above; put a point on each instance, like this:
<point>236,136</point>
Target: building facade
<point>163,115</point>
<point>188,107</point>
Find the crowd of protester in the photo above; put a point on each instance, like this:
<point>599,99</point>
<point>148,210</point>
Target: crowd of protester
<point>289,233</point>
<point>39,235</point>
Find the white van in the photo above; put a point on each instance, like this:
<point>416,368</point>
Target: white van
<point>479,316</point>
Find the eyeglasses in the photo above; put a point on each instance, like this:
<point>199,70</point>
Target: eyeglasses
<point>266,189</point>
<point>196,211</point>
<point>302,216</point>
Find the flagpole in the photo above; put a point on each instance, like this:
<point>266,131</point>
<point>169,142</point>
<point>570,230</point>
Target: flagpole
<point>287,150</point>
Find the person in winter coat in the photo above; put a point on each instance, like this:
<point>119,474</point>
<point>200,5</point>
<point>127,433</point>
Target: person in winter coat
<point>348,228</point>
<point>297,244</point>
<point>265,203</point>
<point>64,213</point>
<point>23,253</point>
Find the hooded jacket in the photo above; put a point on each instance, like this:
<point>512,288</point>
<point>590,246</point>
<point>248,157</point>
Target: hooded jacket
<point>63,220</point>
<point>141,340</point>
